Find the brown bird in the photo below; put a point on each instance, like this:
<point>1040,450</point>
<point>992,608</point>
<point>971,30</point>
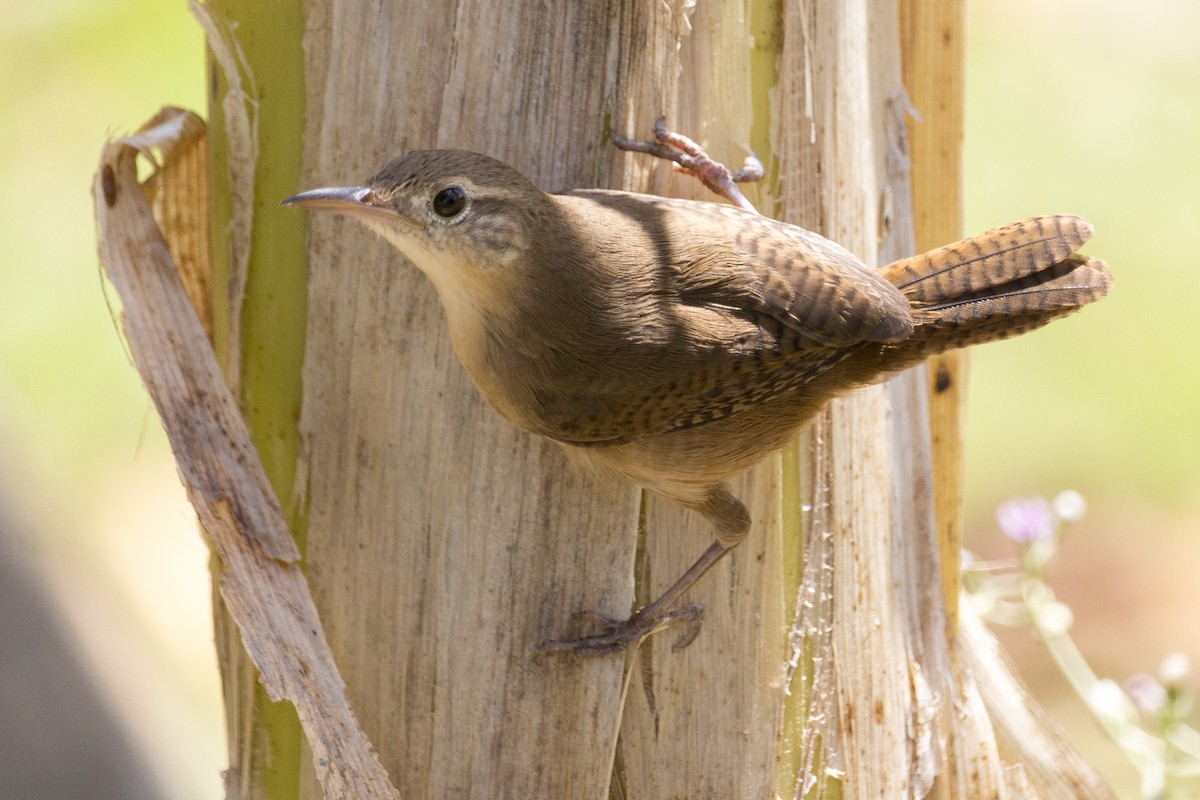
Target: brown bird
<point>674,342</point>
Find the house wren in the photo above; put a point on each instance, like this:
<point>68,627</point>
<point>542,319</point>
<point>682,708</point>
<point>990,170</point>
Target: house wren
<point>674,342</point>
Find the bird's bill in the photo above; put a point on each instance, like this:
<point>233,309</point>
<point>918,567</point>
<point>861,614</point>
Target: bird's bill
<point>333,198</point>
<point>354,201</point>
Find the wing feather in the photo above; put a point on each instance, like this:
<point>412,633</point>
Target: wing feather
<point>750,308</point>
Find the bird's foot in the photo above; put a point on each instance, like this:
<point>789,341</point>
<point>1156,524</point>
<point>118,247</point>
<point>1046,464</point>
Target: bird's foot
<point>690,157</point>
<point>619,635</point>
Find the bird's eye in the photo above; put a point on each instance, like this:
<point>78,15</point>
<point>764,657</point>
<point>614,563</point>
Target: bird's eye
<point>449,202</point>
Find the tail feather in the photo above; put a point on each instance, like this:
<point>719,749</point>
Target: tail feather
<point>1065,286</point>
<point>1001,283</point>
<point>991,259</point>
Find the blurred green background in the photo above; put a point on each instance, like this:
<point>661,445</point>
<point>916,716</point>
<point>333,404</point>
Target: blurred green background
<point>1094,108</point>
<point>1088,107</point>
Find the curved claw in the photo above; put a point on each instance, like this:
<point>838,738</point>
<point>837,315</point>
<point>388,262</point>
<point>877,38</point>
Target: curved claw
<point>691,616</point>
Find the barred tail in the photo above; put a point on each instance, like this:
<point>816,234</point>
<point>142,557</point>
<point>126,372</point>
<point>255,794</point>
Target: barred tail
<point>999,284</point>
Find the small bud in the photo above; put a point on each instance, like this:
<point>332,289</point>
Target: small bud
<point>1069,505</point>
<point>1106,699</point>
<point>1055,619</point>
<point>1174,669</point>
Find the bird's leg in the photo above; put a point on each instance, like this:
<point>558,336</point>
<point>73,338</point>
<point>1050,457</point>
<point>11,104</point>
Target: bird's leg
<point>619,635</point>
<point>690,157</point>
<point>732,521</point>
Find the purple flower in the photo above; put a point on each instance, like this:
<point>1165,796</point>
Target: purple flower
<point>1026,519</point>
<point>1146,693</point>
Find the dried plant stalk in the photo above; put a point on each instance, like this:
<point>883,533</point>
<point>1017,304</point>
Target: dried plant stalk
<point>260,579</point>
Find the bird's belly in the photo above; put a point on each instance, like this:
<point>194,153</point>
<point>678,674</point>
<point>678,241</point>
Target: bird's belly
<point>684,463</point>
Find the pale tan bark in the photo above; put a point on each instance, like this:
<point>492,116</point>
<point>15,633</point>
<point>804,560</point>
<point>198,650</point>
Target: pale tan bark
<point>444,545</point>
